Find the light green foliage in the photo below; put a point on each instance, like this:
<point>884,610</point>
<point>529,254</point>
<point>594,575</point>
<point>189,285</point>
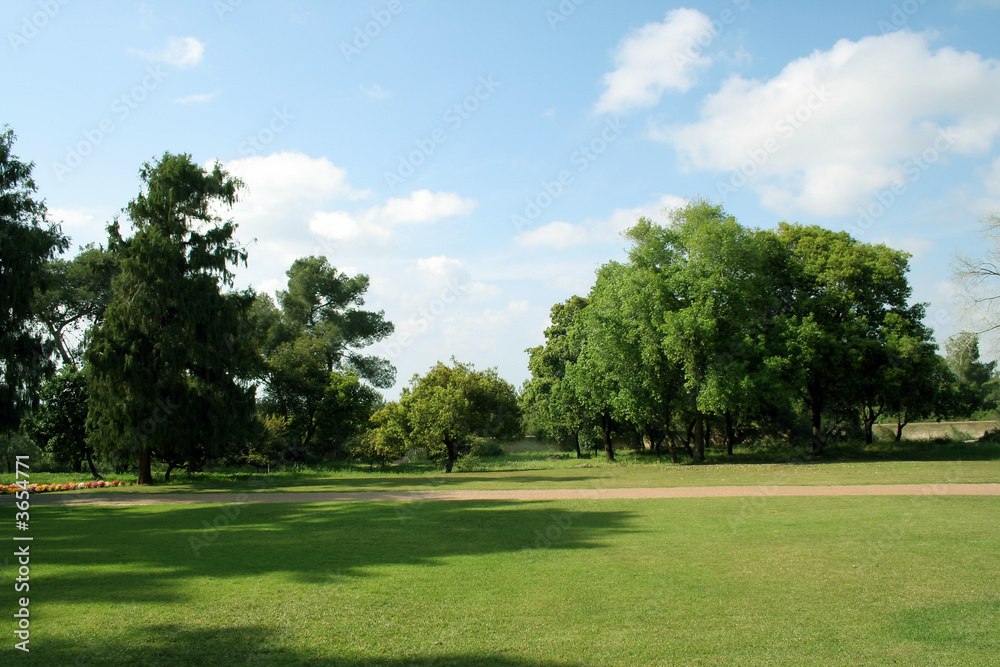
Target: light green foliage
<point>386,440</point>
<point>172,346</point>
<point>27,242</point>
<point>974,385</point>
<point>450,404</point>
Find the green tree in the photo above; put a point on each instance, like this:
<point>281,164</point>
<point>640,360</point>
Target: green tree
<point>720,283</point>
<point>548,400</point>
<point>313,340</point>
<point>27,242</point>
<point>974,379</point>
<point>57,425</point>
<point>450,405</point>
<point>76,294</point>
<point>170,346</point>
<point>386,439</point>
<point>837,294</point>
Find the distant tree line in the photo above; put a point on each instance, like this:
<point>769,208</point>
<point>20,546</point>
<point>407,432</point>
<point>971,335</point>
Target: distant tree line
<point>713,334</point>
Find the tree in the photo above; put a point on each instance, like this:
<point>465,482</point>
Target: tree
<point>172,345</point>
<point>27,242</point>
<point>450,404</point>
<point>838,292</point>
<point>58,424</point>
<point>548,399</point>
<point>973,379</point>
<point>720,281</point>
<point>76,294</point>
<point>386,439</point>
<point>315,338</point>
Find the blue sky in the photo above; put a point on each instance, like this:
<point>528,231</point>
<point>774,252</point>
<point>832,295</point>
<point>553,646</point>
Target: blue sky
<point>478,160</point>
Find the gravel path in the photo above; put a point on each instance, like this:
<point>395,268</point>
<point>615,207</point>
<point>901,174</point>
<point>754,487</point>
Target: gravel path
<point>123,499</point>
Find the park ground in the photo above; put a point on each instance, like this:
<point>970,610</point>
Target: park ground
<point>753,580</point>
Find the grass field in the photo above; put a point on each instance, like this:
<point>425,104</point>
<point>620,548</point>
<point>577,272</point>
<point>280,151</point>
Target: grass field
<point>764,581</point>
<point>724,581</point>
<point>849,463</point>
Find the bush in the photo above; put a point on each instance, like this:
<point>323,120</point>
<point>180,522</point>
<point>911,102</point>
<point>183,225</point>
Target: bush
<point>485,448</point>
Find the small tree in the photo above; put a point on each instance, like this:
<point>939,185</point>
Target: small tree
<point>451,404</point>
<point>57,425</point>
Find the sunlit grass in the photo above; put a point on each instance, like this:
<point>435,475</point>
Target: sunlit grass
<point>775,581</point>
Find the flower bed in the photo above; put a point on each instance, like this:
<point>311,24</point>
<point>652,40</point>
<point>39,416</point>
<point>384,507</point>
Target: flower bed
<point>73,486</point>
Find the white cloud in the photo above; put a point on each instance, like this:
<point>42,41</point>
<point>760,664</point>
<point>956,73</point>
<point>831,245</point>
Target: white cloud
<point>197,98</point>
<point>555,235</point>
<point>72,218</point>
<point>179,52</point>
<point>562,235</point>
<point>919,248</point>
<point>655,58</point>
<point>442,273</point>
<point>833,128</point>
<point>288,185</point>
<point>425,206</point>
<point>375,91</point>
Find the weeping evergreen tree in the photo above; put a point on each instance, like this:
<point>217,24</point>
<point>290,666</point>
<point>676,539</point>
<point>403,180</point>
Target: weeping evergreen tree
<point>169,367</point>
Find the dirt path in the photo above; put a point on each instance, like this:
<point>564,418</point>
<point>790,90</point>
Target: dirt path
<point>123,499</point>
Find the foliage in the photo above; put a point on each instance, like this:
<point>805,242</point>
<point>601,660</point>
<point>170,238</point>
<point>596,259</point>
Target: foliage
<point>170,347</point>
<point>312,346</point>
<point>27,242</point>
<point>386,440</point>
<point>58,424</point>
<point>450,404</point>
<point>76,294</point>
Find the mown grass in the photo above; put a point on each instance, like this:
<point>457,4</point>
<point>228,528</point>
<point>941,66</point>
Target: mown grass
<point>846,463</point>
<point>755,581</point>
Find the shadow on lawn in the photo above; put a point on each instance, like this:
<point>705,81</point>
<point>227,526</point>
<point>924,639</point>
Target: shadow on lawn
<point>144,554</point>
<point>173,646</point>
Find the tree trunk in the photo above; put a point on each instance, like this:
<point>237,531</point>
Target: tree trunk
<point>452,455</point>
<point>817,425</point>
<point>170,468</point>
<point>145,465</point>
<point>77,465</point>
<point>730,433</point>
<point>670,443</point>
<point>93,468</point>
<point>699,438</point>
<point>576,441</point>
<point>609,449</point>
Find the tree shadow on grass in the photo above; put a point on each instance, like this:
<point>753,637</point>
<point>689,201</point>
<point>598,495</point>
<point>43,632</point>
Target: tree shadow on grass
<point>145,554</point>
<point>239,646</point>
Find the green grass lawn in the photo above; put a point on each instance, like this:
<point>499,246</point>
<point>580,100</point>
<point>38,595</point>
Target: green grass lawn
<point>849,463</point>
<point>757,581</point>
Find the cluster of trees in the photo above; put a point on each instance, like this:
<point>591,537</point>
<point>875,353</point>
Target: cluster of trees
<point>712,332</point>
<point>143,351</point>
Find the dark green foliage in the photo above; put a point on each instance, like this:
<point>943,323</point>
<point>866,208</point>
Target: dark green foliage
<point>57,425</point>
<point>169,367</point>
<point>27,242</point>
<point>314,366</point>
